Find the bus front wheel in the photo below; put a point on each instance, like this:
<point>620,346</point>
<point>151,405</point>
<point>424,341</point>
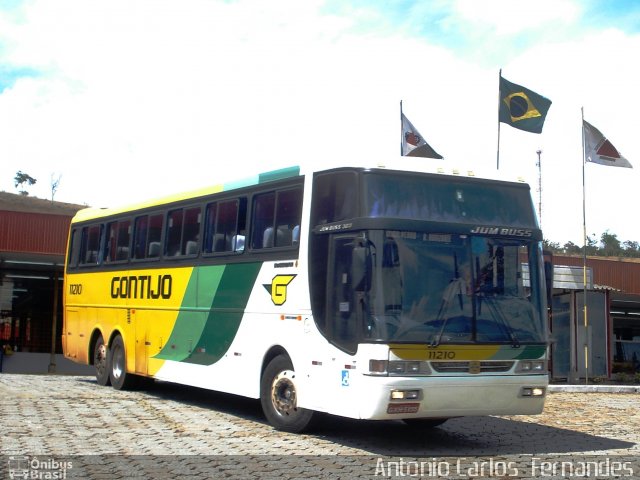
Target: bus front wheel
<point>120,379</point>
<point>100,361</point>
<point>279,397</point>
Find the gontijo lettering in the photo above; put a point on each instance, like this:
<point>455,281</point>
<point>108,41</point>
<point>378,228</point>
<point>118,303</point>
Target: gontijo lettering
<point>142,286</point>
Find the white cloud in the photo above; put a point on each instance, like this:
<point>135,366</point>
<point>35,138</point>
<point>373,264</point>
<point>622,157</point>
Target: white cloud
<point>510,17</point>
<point>141,98</point>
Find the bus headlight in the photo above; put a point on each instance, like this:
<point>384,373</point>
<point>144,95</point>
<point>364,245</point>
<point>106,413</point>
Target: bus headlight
<point>405,394</point>
<point>532,392</point>
<point>398,367</point>
<point>532,366</point>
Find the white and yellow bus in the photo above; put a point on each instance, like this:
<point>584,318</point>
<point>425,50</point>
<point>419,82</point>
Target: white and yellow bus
<point>367,293</point>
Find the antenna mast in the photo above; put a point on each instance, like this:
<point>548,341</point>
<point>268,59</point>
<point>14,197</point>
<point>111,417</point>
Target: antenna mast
<point>539,165</point>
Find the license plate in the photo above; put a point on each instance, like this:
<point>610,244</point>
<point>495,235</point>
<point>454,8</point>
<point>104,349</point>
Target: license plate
<point>403,408</point>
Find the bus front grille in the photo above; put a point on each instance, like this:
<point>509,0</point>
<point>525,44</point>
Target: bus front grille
<point>472,367</point>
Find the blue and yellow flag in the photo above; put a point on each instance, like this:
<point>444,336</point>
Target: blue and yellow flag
<point>521,108</point>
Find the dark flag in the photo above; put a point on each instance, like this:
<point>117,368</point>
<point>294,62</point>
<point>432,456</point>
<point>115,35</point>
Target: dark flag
<point>521,108</point>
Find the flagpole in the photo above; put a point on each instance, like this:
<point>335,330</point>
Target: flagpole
<point>584,255</point>
<point>401,129</point>
<point>498,149</point>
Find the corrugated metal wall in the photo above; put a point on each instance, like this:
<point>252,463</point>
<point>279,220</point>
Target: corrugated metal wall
<point>619,274</point>
<point>33,232</point>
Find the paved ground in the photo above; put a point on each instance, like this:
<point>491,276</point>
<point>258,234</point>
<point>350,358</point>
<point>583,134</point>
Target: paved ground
<point>71,427</point>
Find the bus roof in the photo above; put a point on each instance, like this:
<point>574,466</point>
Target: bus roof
<point>407,164</point>
<point>91,213</point>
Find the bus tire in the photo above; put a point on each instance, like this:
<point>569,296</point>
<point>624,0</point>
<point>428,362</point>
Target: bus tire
<point>279,395</point>
<point>101,361</point>
<point>120,379</point>
<point>424,422</point>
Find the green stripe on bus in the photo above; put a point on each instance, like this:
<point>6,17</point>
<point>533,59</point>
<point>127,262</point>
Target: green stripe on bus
<point>279,174</point>
<point>532,352</point>
<point>226,313</point>
<point>262,178</point>
<point>203,338</point>
<point>189,324</point>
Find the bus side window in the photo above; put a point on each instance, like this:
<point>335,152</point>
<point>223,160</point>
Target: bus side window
<point>190,244</point>
<point>227,224</point>
<point>238,240</point>
<point>154,238</point>
<point>123,240</point>
<point>288,214</point>
<point>140,229</point>
<point>116,248</point>
<point>174,233</point>
<point>110,243</point>
<point>74,248</point>
<point>276,216</point>
<point>208,245</point>
<point>263,213</point>
<point>147,237</point>
<point>224,226</point>
<point>90,245</point>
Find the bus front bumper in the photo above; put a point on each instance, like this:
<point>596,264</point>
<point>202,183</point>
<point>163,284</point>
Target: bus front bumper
<point>445,397</point>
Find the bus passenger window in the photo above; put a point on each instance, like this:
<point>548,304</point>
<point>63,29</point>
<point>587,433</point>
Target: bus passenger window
<point>174,233</point>
<point>263,213</point>
<point>116,247</point>
<point>221,226</point>
<point>90,245</point>
<point>122,242</point>
<point>74,249</point>
<point>288,214</point>
<point>141,226</point>
<point>147,237</point>
<point>191,231</point>
<point>276,216</point>
<point>208,246</point>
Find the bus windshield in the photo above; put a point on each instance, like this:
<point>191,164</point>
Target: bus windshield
<point>439,289</point>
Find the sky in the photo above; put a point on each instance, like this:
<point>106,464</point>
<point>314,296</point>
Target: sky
<point>124,100</point>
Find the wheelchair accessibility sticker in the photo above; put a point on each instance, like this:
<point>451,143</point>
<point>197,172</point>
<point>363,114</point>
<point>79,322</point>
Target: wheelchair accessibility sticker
<point>345,378</point>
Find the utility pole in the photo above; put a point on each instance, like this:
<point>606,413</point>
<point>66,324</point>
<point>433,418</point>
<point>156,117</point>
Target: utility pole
<point>539,165</point>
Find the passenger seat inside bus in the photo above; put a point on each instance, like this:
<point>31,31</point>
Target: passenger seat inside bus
<point>154,250</point>
<point>237,243</point>
<point>267,238</point>
<point>283,236</point>
<point>191,248</point>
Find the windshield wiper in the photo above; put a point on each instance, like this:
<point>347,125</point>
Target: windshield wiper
<point>496,312</point>
<point>454,288</point>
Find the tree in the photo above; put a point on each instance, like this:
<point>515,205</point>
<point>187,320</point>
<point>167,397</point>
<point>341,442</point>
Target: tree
<point>610,245</point>
<point>20,179</point>
<point>631,248</point>
<point>54,185</point>
<point>571,248</point>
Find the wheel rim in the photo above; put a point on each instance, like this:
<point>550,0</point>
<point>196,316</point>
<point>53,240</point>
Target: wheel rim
<point>283,393</point>
<point>100,359</point>
<point>117,361</point>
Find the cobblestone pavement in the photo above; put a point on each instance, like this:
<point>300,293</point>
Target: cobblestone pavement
<point>71,426</point>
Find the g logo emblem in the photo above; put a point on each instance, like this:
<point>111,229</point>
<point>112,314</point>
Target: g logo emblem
<point>278,288</point>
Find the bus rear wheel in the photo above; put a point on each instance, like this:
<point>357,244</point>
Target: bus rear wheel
<point>100,361</point>
<point>279,397</point>
<point>120,379</point>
